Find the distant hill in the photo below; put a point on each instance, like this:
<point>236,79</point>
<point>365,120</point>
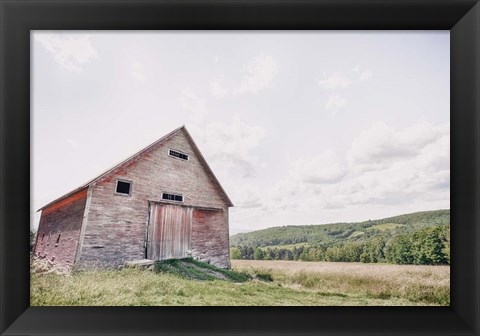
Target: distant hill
<point>337,233</point>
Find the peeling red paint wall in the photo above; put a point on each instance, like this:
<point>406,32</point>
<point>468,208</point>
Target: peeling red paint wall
<point>210,237</point>
<point>59,230</point>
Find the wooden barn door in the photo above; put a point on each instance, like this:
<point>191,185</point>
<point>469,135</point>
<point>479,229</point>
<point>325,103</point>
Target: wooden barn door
<point>169,231</point>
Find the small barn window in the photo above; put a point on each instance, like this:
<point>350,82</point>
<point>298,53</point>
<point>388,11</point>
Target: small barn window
<point>123,187</point>
<point>172,197</point>
<point>178,154</point>
<point>58,238</point>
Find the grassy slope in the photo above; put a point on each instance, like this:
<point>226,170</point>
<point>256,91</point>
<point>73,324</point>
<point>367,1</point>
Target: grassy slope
<point>191,269</point>
<point>341,232</point>
<point>356,234</point>
<point>294,283</point>
<point>386,226</point>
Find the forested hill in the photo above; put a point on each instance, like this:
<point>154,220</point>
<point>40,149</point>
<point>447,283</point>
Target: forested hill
<point>339,233</point>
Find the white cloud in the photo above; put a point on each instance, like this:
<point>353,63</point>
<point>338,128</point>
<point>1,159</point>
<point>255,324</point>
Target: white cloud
<point>344,79</point>
<point>191,103</point>
<point>70,51</point>
<point>229,146</point>
<point>335,102</point>
<point>409,166</point>
<point>380,145</point>
<point>321,169</point>
<point>286,194</point>
<point>403,182</point>
<point>217,89</point>
<point>394,166</point>
<point>260,72</point>
<point>244,196</point>
<point>366,75</point>
<point>436,155</point>
<point>341,80</point>
<point>335,81</point>
<point>138,72</point>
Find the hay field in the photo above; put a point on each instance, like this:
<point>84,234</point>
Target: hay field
<point>412,282</point>
<point>272,283</point>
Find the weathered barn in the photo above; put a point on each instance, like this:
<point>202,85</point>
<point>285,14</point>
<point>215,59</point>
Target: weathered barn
<point>163,202</point>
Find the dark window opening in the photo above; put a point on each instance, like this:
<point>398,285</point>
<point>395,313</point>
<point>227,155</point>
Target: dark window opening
<point>123,188</point>
<point>58,238</point>
<point>179,155</point>
<point>172,197</point>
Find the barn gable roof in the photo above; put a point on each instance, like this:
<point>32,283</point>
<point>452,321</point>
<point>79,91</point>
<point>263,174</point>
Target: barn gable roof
<point>137,155</point>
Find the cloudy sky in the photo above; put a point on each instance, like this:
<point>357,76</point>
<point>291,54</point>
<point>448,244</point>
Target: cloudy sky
<point>300,128</point>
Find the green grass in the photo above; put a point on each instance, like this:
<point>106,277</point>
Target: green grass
<point>191,269</point>
<point>181,284</point>
<point>386,226</point>
<point>356,234</point>
<point>380,227</point>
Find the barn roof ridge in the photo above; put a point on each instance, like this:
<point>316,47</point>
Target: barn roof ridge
<point>139,153</point>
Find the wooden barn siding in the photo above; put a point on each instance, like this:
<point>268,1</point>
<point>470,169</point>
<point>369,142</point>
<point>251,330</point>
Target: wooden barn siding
<point>169,231</point>
<point>64,219</point>
<point>116,224</point>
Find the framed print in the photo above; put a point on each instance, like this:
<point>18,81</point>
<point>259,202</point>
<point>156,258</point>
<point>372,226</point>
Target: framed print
<point>168,207</point>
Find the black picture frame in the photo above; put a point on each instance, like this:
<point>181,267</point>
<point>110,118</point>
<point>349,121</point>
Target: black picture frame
<point>18,17</point>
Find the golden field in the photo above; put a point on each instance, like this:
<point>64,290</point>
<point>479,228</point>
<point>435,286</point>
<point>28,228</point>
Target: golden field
<point>272,283</point>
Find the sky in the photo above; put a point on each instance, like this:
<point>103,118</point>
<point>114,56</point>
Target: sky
<point>306,127</point>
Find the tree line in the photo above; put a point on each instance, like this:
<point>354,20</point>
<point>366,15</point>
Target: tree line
<point>427,246</point>
<point>332,234</point>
